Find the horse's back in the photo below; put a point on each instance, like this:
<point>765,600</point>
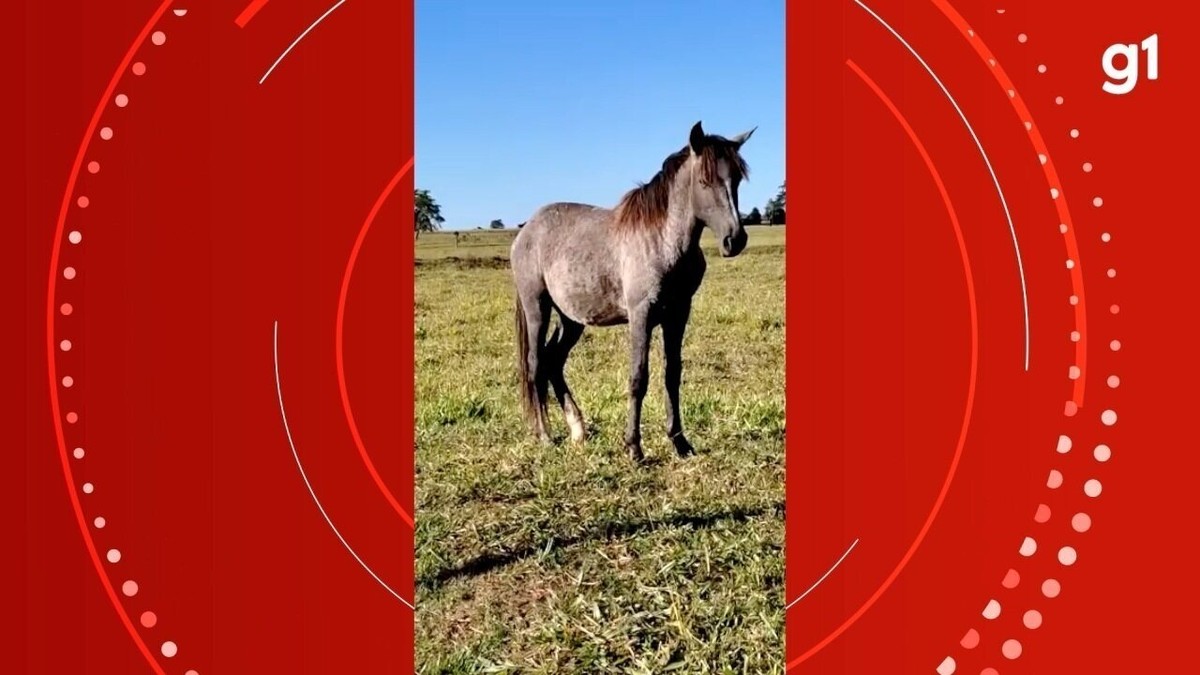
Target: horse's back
<point>565,248</point>
<point>560,228</point>
<point>569,216</point>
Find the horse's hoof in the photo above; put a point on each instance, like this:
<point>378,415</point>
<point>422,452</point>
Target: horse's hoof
<point>635,452</point>
<point>577,433</point>
<point>682,447</point>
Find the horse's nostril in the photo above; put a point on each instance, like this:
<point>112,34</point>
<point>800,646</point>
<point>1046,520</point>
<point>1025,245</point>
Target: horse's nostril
<point>727,242</point>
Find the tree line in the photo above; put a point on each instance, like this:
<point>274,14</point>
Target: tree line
<point>427,215</point>
<point>775,212</point>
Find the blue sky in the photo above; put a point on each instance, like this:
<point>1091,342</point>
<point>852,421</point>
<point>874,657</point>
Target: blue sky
<point>524,102</point>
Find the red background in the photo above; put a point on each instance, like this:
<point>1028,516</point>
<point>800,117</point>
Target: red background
<point>224,205</point>
<point>221,206</point>
<point>879,352</point>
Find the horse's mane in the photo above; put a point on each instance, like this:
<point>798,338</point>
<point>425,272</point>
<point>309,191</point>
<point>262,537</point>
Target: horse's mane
<point>647,204</point>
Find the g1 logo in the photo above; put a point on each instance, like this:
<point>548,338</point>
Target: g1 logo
<point>1123,80</point>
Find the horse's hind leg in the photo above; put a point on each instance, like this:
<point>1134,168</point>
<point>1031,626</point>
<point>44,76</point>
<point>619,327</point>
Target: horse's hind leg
<point>558,351</point>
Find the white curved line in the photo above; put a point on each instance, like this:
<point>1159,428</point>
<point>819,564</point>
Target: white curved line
<point>823,576</point>
<point>297,40</point>
<point>287,429</point>
<point>988,162</point>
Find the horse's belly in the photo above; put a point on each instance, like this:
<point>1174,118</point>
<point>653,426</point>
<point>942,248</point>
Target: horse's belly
<point>593,304</point>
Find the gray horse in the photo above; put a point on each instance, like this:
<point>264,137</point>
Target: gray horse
<point>639,263</point>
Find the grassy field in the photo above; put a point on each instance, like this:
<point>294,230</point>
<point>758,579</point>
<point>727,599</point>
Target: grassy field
<point>569,559</point>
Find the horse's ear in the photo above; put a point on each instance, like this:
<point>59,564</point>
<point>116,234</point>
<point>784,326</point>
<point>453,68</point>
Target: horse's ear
<point>741,138</point>
<point>696,140</point>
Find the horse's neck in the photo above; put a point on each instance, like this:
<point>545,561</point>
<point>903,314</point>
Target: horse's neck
<point>681,238</point>
<point>681,233</point>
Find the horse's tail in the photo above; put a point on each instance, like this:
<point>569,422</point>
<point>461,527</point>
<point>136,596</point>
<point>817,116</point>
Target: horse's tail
<point>525,378</point>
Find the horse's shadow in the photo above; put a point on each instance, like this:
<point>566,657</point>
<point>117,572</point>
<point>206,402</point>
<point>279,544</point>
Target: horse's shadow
<point>601,531</point>
<point>653,461</point>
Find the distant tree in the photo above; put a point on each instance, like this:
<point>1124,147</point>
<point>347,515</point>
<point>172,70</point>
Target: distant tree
<point>772,213</point>
<point>754,218</point>
<point>497,224</point>
<point>427,216</point>
<point>776,211</point>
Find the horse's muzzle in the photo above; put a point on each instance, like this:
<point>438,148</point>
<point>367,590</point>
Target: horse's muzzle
<point>732,245</point>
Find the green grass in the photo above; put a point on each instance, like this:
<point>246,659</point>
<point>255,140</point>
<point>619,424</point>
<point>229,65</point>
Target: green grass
<point>535,559</point>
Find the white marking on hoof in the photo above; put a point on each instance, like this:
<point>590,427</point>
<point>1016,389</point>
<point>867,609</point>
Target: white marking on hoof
<point>577,432</point>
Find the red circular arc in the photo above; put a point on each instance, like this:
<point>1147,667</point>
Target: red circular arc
<point>338,342</point>
<point>1060,204</point>
<point>55,406</point>
<point>962,437</point>
<point>249,12</point>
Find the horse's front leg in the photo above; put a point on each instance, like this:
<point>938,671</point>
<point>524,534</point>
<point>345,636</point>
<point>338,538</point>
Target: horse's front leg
<point>639,376</point>
<point>673,328</point>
